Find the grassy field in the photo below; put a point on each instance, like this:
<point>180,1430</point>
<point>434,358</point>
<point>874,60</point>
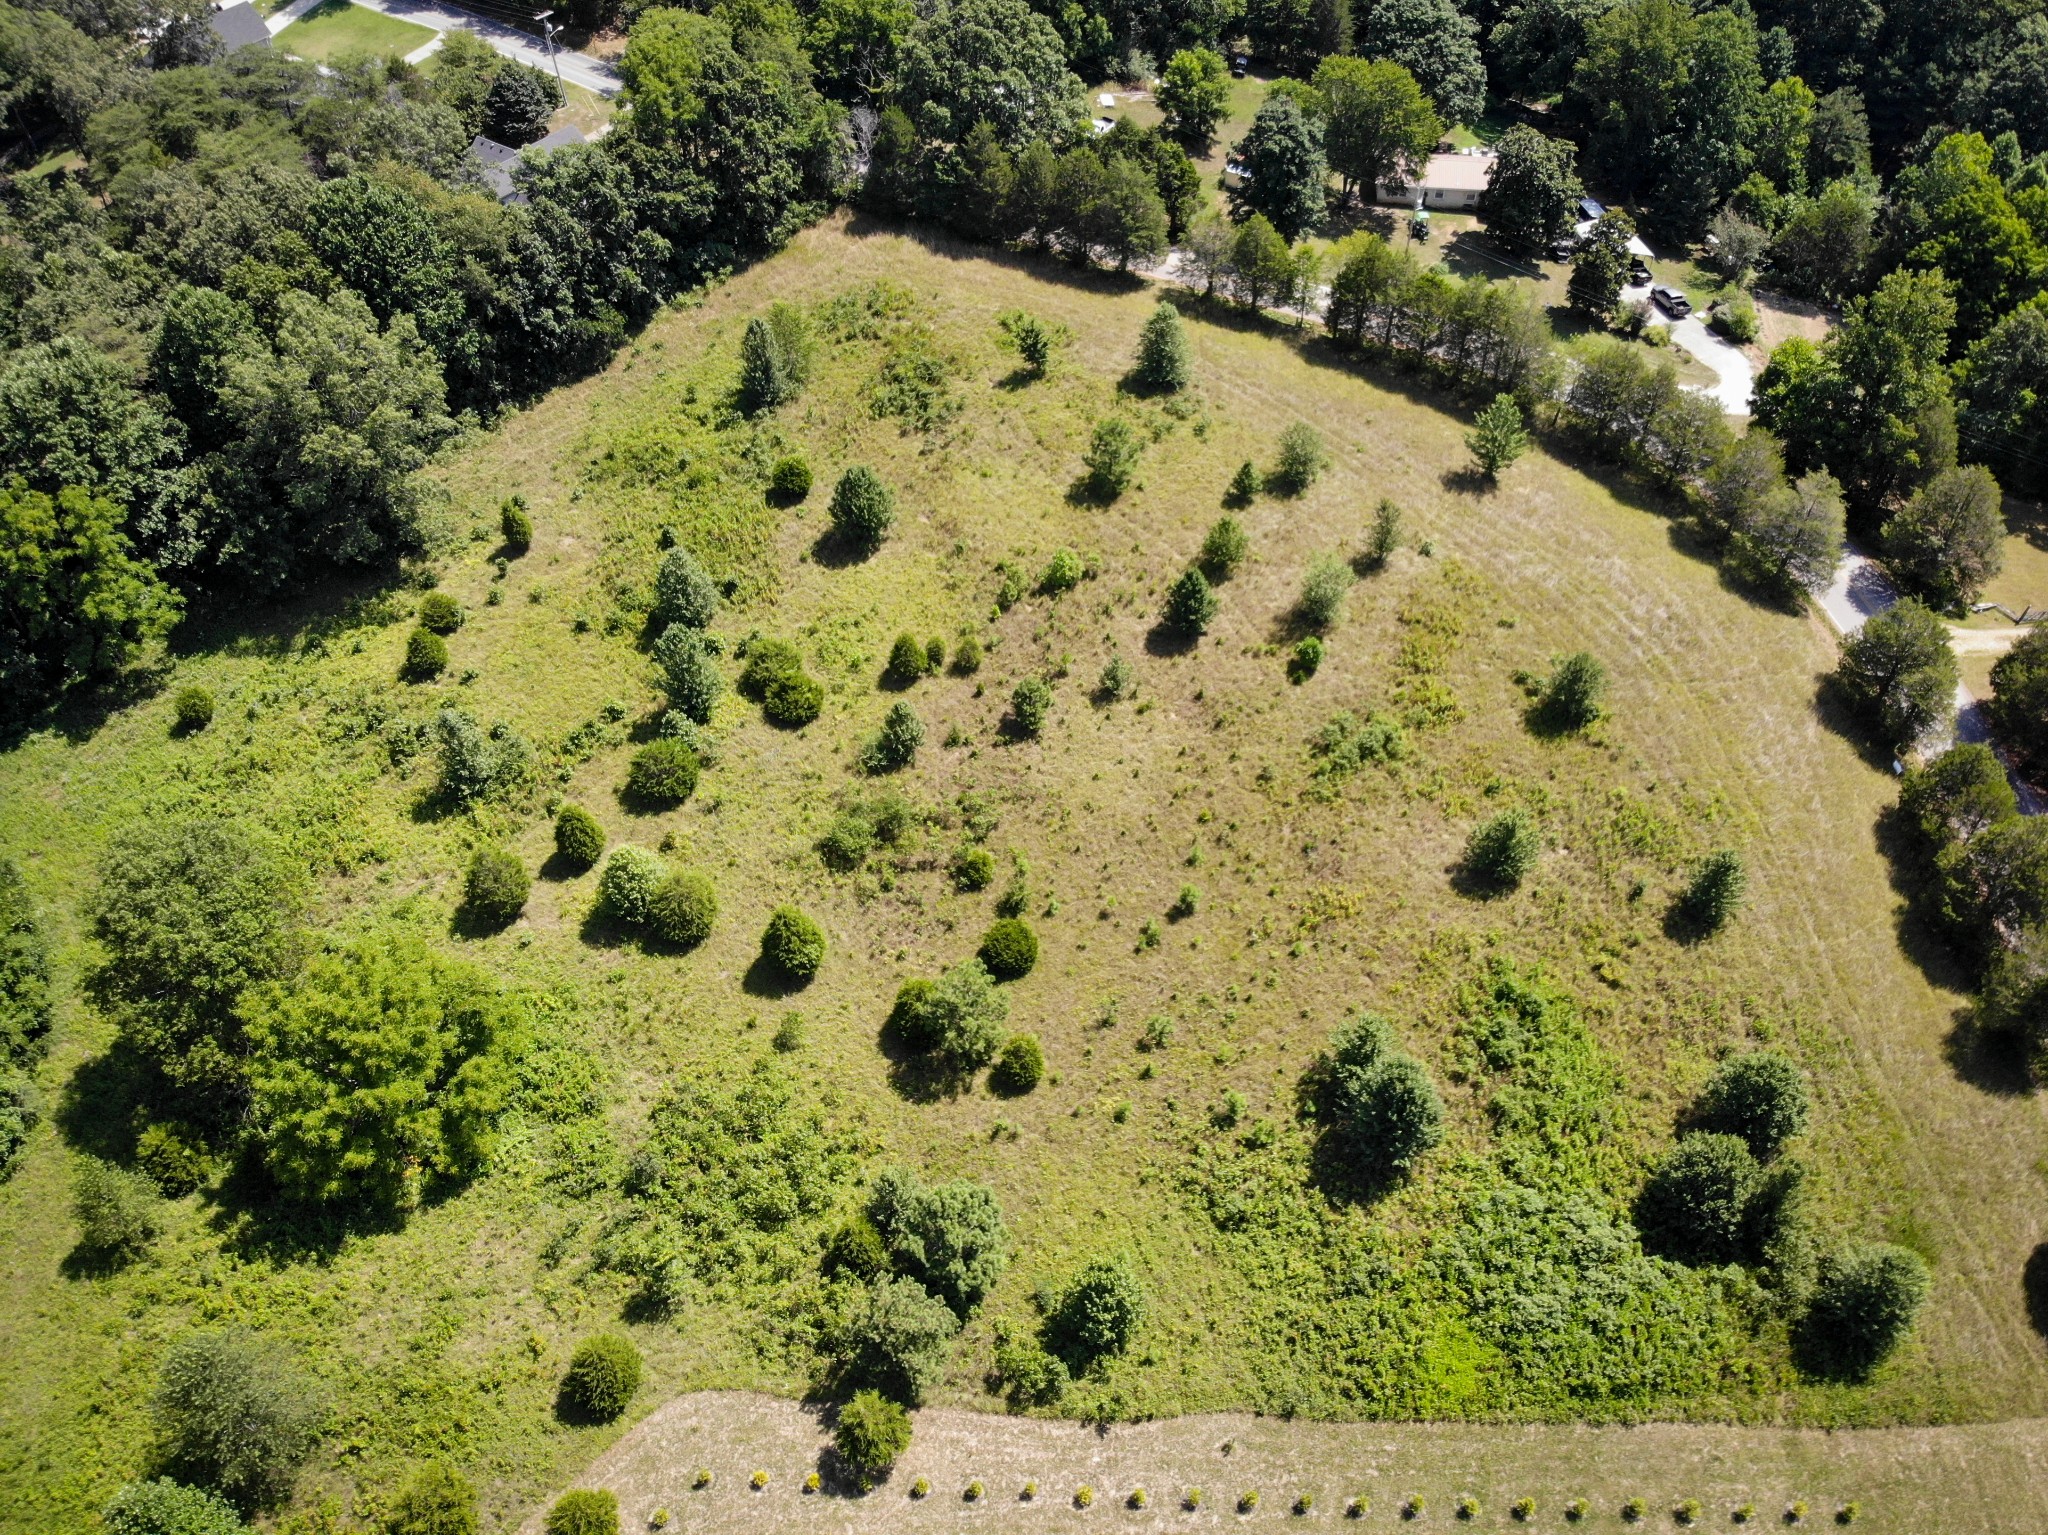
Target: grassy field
<point>1317,896</point>
<point>337,28</point>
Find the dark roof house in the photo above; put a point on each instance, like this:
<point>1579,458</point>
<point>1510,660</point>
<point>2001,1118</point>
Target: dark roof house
<point>496,160</point>
<point>238,26</point>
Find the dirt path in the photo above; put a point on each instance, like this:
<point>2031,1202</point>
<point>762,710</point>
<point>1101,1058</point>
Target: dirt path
<point>1983,1478</point>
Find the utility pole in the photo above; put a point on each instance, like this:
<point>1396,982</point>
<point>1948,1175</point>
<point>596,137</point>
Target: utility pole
<point>549,27</point>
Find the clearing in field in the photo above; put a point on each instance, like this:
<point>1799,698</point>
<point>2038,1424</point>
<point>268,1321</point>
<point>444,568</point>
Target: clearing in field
<point>1224,853</point>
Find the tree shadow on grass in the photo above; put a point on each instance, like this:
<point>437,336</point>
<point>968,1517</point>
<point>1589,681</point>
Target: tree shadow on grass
<point>1916,922</point>
<point>1475,886</point>
<point>558,866</point>
<point>1164,640</point>
<point>920,1076</point>
<point>96,1108</point>
<point>254,1218</point>
<point>765,978</point>
<point>835,550</point>
<point>1469,481</point>
<point>1991,1060</point>
<point>2034,1281</point>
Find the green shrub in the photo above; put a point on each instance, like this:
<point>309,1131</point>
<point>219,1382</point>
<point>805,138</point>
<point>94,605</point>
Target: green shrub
<point>163,1507</point>
<point>437,1501</point>
<point>626,888</point>
<point>689,672</point>
<point>948,1236</point>
<point>934,656</point>
<point>1119,680</point>
<point>172,1155</point>
<point>1864,1304</point>
<point>682,909</point>
<point>1185,904</point>
<point>1761,1097</point>
<point>793,700</point>
<point>1062,573</point>
<point>1384,1110</point>
<point>1522,1510</point>
<point>515,524</point>
<point>1737,320</point>
<point>583,1512</point>
<point>1571,698</point>
<point>1009,948</point>
<point>440,613</point>
<point>1502,850</point>
<point>1163,361</point>
<point>2019,697</point>
<point>116,1209</point>
<point>477,763</point>
<point>847,841</point>
<point>974,868</point>
<point>789,1034</point>
<point>1307,659</point>
<point>663,772</point>
<point>895,746</point>
<point>958,1017</point>
<point>1030,704</point>
<point>1020,1066</point>
<point>906,660</point>
<point>871,1433</point>
<point>1468,1509</point>
<point>863,508</point>
<point>1386,533</point>
<point>496,886</point>
<point>1301,459</point>
<point>683,593</point>
<point>236,1414</point>
<point>1688,1512</point>
<point>792,944</point>
<point>1099,1311</point>
<point>1029,1375</point>
<point>603,1374</point>
<point>790,480</point>
<point>1223,549</point>
<point>1900,672</point>
<point>1715,891</point>
<point>1244,486</point>
<point>191,711</point>
<point>967,656</point>
<point>426,656</point>
<point>1696,1205</point>
<point>1323,590</point>
<point>1112,457</point>
<point>896,1338</point>
<point>1190,604</point>
<point>1634,1511</point>
<point>1247,1500</point>
<point>579,840</point>
<point>1498,436</point>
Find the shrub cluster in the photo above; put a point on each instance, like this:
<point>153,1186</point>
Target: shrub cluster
<point>1382,1109</point>
<point>949,1237</point>
<point>236,1414</point>
<point>958,1019</point>
<point>163,1507</point>
<point>775,675</point>
<point>116,1209</point>
<point>625,890</point>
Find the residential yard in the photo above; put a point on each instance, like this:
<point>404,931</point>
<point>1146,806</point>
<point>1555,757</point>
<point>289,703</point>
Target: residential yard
<point>1315,894</point>
<point>338,28</point>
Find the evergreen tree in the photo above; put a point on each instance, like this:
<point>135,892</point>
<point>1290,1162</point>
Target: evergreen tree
<point>1497,437</point>
<point>764,379</point>
<point>1163,351</point>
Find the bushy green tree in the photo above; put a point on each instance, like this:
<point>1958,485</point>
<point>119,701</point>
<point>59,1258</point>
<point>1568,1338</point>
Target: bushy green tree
<point>949,1237</point>
<point>1600,267</point>
<point>585,1511</point>
<point>1162,351</point>
<point>1864,1304</point>
<point>476,764</point>
<point>515,524</point>
<point>1009,948</point>
<point>792,944</point>
<point>663,772</point>
<point>1193,93</point>
<point>2019,696</point>
<point>1385,1113</point>
<point>378,1061</point>
<point>896,1338</point>
<point>1019,1065</point>
<point>1790,537</point>
<point>1190,605</point>
<point>163,1507</point>
<point>1900,672</point>
<point>906,660</point>
<point>1301,459</point>
<point>1437,43</point>
<point>683,593</point>
<point>689,673</point>
<point>603,1374</point>
<point>519,103</point>
<point>626,888</point>
<point>190,914</point>
<point>764,377</point>
<point>192,709</point>
<point>870,1433</point>
<point>959,1017</point>
<point>426,656</point>
<point>1949,540</point>
<point>440,613</point>
<point>789,481</point>
<point>1502,850</point>
<point>1572,695</point>
<point>863,508</point>
<point>1378,125</point>
<point>1498,436</point>
<point>235,1413</point>
<point>1289,177</point>
<point>1030,704</point>
<point>1714,892</point>
<point>1112,457</point>
<point>1386,533</point>
<point>496,886</point>
<point>895,746</point>
<point>1323,591</point>
<point>1695,1206</point>
<point>579,840</point>
<point>1531,191</point>
<point>75,603</point>
<point>682,909</point>
<point>1099,1311</point>
<point>438,1500</point>
<point>967,61</point>
<point>1223,548</point>
<point>1761,1097</point>
<point>116,1209</point>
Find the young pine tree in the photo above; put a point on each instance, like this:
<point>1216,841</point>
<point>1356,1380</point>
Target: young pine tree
<point>1163,352</point>
<point>1497,437</point>
<point>764,376</point>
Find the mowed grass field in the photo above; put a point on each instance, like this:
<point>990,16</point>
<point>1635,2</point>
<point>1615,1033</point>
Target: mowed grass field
<point>1316,898</point>
<point>339,28</point>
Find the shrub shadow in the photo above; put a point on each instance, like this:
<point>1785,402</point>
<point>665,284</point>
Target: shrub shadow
<point>1469,481</point>
<point>96,1108</point>
<point>558,866</point>
<point>1991,1060</point>
<point>764,978</point>
<point>919,1076</point>
<point>2034,1281</point>
<point>1474,886</point>
<point>255,1220</point>
<point>836,551</point>
<point>1684,926</point>
<point>1164,640</point>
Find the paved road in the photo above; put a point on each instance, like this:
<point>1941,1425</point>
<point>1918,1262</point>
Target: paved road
<point>593,74</point>
<point>1735,380</point>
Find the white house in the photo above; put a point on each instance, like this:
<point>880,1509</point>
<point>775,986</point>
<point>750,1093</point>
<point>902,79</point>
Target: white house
<point>1451,183</point>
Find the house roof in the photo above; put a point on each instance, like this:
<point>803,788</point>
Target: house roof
<point>496,160</point>
<point>1458,173</point>
<point>238,26</point>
